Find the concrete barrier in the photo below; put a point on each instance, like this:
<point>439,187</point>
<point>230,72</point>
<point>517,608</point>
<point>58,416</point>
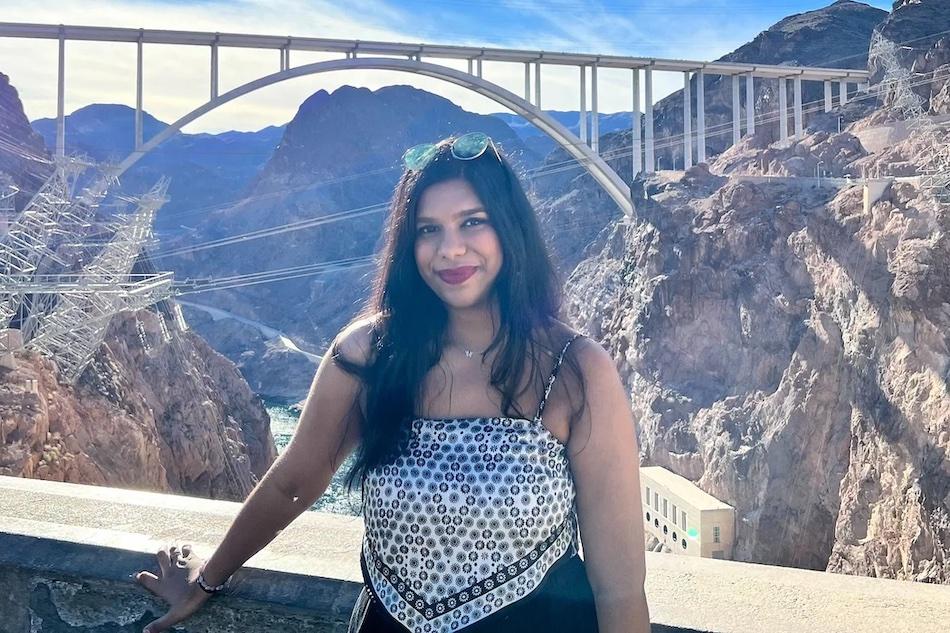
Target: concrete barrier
<point>66,551</point>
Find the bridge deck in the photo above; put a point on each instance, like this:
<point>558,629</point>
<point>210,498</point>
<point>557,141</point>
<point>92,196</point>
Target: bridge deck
<point>363,47</point>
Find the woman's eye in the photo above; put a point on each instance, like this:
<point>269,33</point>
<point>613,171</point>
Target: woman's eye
<point>423,230</point>
<point>476,221</point>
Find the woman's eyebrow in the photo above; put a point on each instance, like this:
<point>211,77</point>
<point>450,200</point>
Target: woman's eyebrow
<point>457,215</point>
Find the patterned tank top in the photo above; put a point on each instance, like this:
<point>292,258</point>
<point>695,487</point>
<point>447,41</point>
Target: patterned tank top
<point>468,519</point>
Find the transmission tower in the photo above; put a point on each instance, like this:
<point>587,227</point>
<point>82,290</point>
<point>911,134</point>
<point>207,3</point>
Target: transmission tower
<point>896,91</point>
<point>53,213</point>
<point>84,303</point>
<point>61,288</point>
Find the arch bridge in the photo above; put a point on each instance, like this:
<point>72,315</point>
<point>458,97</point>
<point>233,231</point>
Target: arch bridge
<point>395,56</point>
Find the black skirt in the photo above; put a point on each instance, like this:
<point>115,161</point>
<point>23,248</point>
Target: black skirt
<point>562,602</point>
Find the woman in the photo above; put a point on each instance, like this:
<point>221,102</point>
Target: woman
<point>473,510</point>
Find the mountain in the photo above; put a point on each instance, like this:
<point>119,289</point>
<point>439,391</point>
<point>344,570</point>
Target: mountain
<point>24,161</point>
<point>206,170</point>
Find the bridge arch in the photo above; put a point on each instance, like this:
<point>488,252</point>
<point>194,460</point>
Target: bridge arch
<point>606,177</point>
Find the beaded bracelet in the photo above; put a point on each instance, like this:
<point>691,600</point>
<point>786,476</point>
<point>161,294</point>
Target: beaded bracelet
<point>208,588</point>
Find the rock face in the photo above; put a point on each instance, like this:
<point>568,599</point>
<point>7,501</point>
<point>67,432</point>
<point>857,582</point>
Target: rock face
<point>181,419</point>
<point>790,353</point>
<point>24,159</point>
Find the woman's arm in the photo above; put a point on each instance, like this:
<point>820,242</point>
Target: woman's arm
<point>327,432</point>
<point>605,463</point>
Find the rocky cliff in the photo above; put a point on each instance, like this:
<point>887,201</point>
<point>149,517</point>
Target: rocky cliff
<point>23,157</point>
<point>180,419</point>
<point>788,349</point>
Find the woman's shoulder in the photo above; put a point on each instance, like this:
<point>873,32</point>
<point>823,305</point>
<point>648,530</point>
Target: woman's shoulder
<point>355,341</point>
<point>590,355</point>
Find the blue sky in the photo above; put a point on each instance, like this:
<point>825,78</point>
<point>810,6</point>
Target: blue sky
<point>176,78</point>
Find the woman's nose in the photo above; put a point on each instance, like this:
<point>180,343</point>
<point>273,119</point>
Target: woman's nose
<point>452,242</point>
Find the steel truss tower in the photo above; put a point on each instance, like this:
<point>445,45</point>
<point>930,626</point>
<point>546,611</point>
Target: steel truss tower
<point>28,241</point>
<point>65,312</point>
<point>896,90</point>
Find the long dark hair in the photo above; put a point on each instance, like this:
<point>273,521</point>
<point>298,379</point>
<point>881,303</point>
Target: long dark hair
<point>410,319</point>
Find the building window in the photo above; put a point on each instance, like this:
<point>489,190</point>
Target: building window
<point>665,514</point>
<point>656,523</point>
<point>656,501</point>
<point>665,530</point>
<point>648,517</point>
<point>684,543</point>
<point>675,514</point>
<point>683,519</point>
<point>674,537</point>
<point>715,534</point>
<point>648,495</point>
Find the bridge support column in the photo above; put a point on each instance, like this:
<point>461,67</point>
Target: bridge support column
<point>782,108</point>
<point>700,117</point>
<point>736,126</point>
<point>214,71</point>
<point>594,114</point>
<point>537,84</point>
<point>471,70</point>
<point>797,94</point>
<point>843,91</point>
<point>749,104</point>
<point>61,98</point>
<point>527,79</point>
<point>138,94</point>
<point>635,139</point>
<point>478,67</point>
<point>828,103</point>
<point>648,158</point>
<point>687,124</point>
<point>583,114</point>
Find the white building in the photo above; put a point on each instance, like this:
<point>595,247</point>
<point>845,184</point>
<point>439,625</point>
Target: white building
<point>684,518</point>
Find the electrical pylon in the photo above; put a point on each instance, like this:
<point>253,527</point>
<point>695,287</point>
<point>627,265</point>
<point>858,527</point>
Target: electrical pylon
<point>896,91</point>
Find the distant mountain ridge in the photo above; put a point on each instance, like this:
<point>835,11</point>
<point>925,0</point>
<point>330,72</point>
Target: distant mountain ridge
<point>205,169</point>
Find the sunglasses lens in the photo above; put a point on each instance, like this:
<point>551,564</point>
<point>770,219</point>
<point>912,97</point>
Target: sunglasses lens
<point>419,156</point>
<point>469,146</point>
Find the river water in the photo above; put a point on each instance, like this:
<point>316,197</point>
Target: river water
<point>283,421</point>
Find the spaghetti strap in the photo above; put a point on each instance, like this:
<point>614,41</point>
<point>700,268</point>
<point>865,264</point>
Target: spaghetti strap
<point>557,365</point>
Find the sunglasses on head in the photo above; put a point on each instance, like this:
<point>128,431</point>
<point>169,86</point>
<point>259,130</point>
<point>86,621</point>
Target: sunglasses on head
<point>466,147</point>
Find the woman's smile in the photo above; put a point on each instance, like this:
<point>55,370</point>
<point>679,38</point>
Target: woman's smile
<point>458,275</point>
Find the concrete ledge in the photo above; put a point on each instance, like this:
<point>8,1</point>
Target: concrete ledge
<point>66,551</point>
